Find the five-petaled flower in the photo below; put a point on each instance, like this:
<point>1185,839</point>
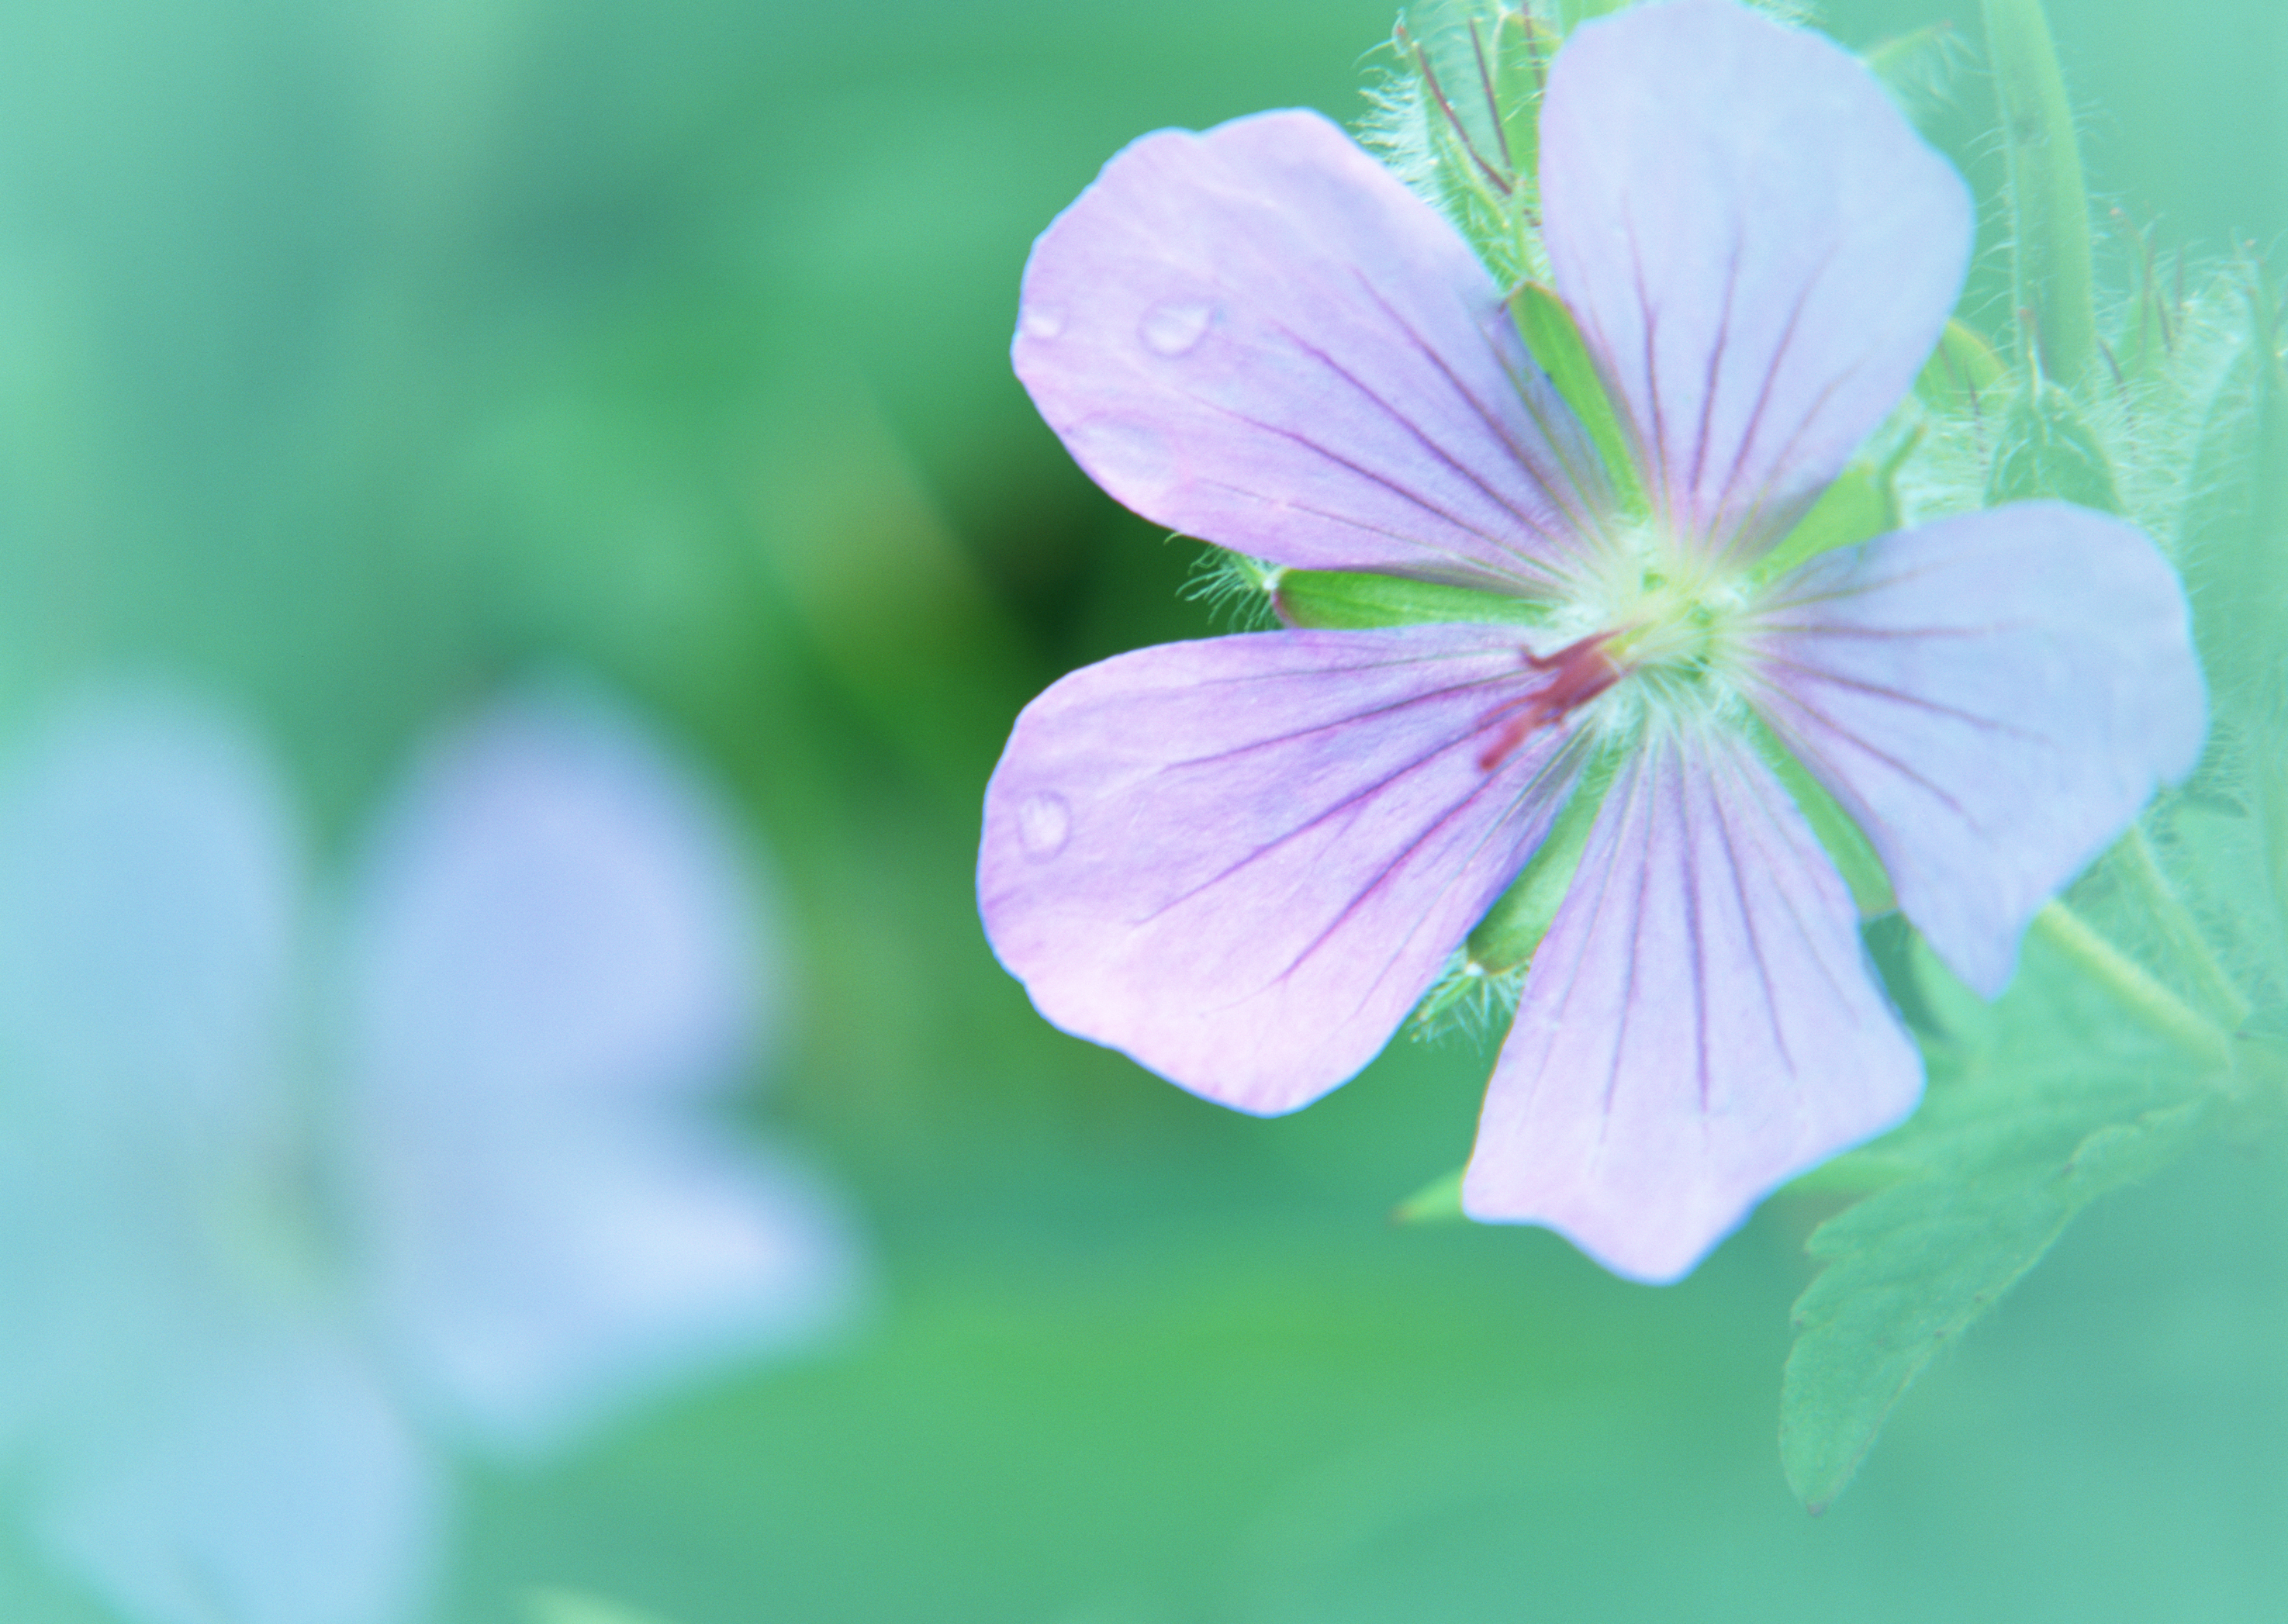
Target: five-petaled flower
<point>1242,861</point>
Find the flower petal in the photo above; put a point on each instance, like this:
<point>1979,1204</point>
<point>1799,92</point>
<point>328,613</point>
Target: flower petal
<point>1243,860</point>
<point>559,950</point>
<point>274,1485</point>
<point>149,880</point>
<point>1259,336</point>
<point>1759,250</point>
<point>1699,1025</point>
<point>1993,699</point>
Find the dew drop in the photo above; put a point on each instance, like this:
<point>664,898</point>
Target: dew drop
<point>1043,824</point>
<point>1174,327</point>
<point>1043,322</point>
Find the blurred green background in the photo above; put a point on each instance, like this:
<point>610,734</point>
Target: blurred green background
<point>357,357</point>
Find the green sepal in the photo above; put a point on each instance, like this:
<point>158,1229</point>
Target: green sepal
<point>1548,330</point>
<point>1839,835</point>
<point>2045,449</point>
<point>1862,505</point>
<point>1572,13</point>
<point>1478,84</point>
<point>1342,600</point>
<point>1521,916</point>
<point>1439,1201</point>
<point>2050,255</point>
<point>1964,375</point>
<point>1919,69</point>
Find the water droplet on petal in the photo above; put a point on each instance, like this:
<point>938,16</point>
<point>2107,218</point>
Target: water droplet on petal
<point>1174,327</point>
<point>1043,824</point>
<point>1041,321</point>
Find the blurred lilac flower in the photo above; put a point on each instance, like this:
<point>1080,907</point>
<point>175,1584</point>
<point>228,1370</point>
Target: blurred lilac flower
<point>1243,860</point>
<point>285,1206</point>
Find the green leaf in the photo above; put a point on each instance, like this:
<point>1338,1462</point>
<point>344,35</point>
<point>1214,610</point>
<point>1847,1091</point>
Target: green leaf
<point>2045,449</point>
<point>1549,332</point>
<point>1338,600</point>
<point>2046,1099</point>
<point>2050,258</point>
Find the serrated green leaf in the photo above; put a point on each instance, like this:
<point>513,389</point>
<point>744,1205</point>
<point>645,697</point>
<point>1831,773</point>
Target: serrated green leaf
<point>2045,449</point>
<point>1340,600</point>
<point>2050,256</point>
<point>1549,332</point>
<point>2049,1098</point>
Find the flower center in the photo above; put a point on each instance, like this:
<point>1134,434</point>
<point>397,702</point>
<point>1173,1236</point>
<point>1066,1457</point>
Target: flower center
<point>1665,623</point>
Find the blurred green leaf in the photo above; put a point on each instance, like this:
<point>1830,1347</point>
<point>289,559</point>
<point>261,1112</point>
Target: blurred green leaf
<point>2051,270</point>
<point>2042,1102</point>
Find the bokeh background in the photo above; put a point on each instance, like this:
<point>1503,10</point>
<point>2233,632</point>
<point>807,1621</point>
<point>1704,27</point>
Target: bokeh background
<point>359,358</point>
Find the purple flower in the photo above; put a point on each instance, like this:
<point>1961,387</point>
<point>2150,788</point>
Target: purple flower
<point>296,1188</point>
<point>1243,860</point>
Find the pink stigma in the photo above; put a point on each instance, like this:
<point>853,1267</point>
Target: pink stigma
<point>1583,673</point>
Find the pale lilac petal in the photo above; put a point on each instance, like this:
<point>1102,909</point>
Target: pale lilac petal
<point>148,885</point>
<point>190,1441</point>
<point>1993,699</point>
<point>559,947</point>
<point>1243,860</point>
<point>1760,252</point>
<point>1259,336</point>
<point>149,879</point>
<point>274,1486</point>
<point>1699,1025</point>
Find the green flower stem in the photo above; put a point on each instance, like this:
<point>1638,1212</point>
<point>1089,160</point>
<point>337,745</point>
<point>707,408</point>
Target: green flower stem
<point>2049,206</point>
<point>2179,929</point>
<point>2152,1003</point>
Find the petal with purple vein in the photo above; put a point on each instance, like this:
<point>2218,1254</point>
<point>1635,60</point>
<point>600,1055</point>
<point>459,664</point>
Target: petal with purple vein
<point>1243,860</point>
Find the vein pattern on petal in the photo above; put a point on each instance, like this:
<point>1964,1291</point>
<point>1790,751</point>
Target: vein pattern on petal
<point>1259,336</point>
<point>1993,698</point>
<point>1760,251</point>
<point>1243,860</point>
<point>1699,1025</point>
